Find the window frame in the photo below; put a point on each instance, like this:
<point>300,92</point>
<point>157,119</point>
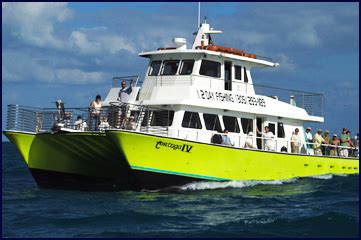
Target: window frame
<point>219,68</point>
<point>151,68</point>
<point>198,120</point>
<point>251,120</point>
<point>182,65</point>
<point>280,125</point>
<point>237,128</point>
<point>215,124</point>
<point>163,67</point>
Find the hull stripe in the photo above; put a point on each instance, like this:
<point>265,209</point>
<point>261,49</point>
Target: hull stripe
<point>178,173</point>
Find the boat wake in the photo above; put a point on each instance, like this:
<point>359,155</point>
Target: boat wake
<point>232,184</point>
<point>209,185</point>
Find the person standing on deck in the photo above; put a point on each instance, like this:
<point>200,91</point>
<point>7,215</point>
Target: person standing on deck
<point>318,140</point>
<point>123,97</point>
<point>95,111</point>
<point>308,137</point>
<point>268,141</point>
<point>295,142</point>
<point>327,140</point>
<point>334,145</point>
<point>344,142</point>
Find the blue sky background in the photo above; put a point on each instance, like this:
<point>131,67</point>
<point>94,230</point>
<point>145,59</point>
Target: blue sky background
<point>71,51</point>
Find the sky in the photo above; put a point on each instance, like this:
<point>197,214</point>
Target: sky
<point>71,51</point>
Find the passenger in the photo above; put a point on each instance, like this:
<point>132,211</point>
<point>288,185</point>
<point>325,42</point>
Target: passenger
<point>250,141</point>
<point>268,139</point>
<point>327,141</point>
<point>80,124</point>
<point>217,138</point>
<point>344,142</point>
<point>335,143</point>
<point>356,144</point>
<point>318,140</point>
<point>308,138</point>
<point>225,138</point>
<point>295,142</point>
<point>350,150</point>
<point>103,125</point>
<point>123,97</point>
<point>284,149</point>
<point>130,125</point>
<point>95,111</point>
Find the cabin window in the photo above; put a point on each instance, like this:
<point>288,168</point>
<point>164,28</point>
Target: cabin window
<point>170,67</point>
<point>212,122</point>
<point>191,120</point>
<point>280,130</point>
<point>154,68</point>
<point>238,72</point>
<point>187,67</point>
<point>210,68</point>
<point>272,128</point>
<point>247,125</point>
<point>245,75</point>
<point>231,124</point>
<point>162,118</point>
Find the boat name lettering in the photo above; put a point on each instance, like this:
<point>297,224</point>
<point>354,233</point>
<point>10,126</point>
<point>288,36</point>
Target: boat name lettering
<point>182,147</point>
<point>230,97</point>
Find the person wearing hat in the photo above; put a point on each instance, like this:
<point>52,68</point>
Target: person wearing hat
<point>335,143</point>
<point>344,143</point>
<point>250,141</point>
<point>318,140</point>
<point>327,140</point>
<point>308,137</point>
<point>295,142</point>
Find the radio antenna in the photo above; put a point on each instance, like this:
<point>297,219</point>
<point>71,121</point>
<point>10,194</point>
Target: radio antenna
<point>199,14</point>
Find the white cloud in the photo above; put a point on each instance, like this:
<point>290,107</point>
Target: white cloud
<point>34,23</point>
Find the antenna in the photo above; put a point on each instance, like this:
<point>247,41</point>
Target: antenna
<point>199,14</point>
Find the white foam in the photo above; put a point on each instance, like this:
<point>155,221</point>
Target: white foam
<point>324,176</point>
<point>232,184</point>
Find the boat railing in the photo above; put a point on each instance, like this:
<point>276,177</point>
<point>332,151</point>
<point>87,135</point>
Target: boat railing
<point>130,80</point>
<point>37,120</point>
<point>311,102</point>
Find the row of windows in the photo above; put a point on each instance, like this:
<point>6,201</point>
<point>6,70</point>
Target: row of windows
<point>192,120</point>
<point>170,67</point>
<point>208,68</point>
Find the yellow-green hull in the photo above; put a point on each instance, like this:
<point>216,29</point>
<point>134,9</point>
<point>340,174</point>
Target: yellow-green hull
<point>162,155</point>
<point>80,161</point>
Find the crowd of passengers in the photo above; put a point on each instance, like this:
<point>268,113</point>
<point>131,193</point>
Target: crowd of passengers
<point>319,144</point>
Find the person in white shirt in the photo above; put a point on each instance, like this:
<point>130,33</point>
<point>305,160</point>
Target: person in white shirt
<point>104,124</point>
<point>309,140</point>
<point>250,141</point>
<point>80,124</point>
<point>295,142</point>
<point>268,139</point>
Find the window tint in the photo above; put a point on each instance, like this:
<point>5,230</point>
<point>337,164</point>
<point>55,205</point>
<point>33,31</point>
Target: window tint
<point>231,124</point>
<point>245,75</point>
<point>187,67</point>
<point>191,120</point>
<point>280,130</point>
<point>170,67</point>
<point>154,68</point>
<point>238,72</point>
<point>212,122</point>
<point>162,118</point>
<point>272,128</point>
<point>210,68</point>
<point>247,125</point>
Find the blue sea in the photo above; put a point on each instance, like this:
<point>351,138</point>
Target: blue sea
<point>323,206</point>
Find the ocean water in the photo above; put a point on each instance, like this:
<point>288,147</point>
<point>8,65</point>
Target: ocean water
<point>323,206</point>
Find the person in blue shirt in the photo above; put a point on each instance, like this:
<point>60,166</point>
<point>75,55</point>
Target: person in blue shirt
<point>225,139</point>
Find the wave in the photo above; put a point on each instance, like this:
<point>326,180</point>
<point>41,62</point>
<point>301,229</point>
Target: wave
<point>206,185</point>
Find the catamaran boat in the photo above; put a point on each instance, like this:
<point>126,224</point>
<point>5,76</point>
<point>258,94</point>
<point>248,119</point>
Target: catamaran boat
<point>166,133</point>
